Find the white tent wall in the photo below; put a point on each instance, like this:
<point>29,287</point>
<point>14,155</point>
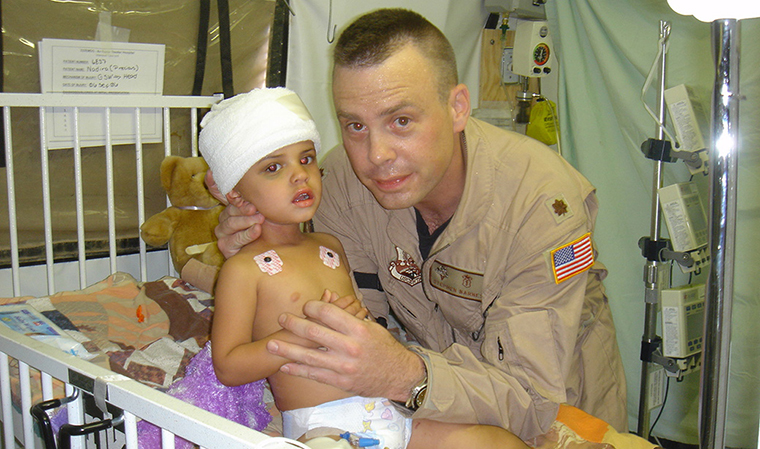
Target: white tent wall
<point>172,23</point>
<point>605,49</point>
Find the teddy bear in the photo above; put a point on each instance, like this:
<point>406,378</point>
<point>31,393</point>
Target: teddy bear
<point>188,224</point>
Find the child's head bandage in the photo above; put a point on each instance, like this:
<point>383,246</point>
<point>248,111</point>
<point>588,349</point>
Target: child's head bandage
<point>241,130</point>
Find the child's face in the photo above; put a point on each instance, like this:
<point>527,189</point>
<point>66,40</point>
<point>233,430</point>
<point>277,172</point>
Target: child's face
<point>286,185</point>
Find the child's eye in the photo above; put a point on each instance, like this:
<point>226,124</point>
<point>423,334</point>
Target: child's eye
<point>306,160</point>
<point>272,168</point>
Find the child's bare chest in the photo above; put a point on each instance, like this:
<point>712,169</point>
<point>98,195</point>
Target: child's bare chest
<point>291,277</point>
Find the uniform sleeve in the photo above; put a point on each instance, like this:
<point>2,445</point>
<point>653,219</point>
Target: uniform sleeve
<point>529,360</point>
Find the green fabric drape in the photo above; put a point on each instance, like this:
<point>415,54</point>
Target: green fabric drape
<point>606,48</point>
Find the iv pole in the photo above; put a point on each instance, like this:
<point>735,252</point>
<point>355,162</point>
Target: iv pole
<point>652,249</point>
<point>722,229</point>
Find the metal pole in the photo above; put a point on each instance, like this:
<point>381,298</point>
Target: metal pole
<point>652,267</point>
<point>719,289</point>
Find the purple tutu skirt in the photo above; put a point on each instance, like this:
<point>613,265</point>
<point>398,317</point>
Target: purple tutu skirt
<point>243,404</point>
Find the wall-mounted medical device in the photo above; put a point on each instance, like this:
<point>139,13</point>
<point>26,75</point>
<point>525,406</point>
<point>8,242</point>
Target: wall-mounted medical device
<point>533,54</point>
<point>517,8</point>
<point>683,315</point>
<point>686,221</point>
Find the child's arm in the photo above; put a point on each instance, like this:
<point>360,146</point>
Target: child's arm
<point>237,359</point>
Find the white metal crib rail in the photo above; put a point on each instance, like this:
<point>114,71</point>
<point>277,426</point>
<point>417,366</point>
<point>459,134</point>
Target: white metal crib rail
<point>172,415</point>
<point>55,366</point>
<point>77,101</point>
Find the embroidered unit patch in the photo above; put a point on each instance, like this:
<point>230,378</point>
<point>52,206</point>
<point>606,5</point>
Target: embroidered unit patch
<point>573,258</point>
<point>405,269</point>
<point>329,257</point>
<point>269,262</point>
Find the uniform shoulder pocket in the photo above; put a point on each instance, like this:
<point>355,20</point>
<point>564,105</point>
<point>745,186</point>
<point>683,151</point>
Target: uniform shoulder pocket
<point>525,348</point>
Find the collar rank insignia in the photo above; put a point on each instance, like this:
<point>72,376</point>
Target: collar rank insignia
<point>559,208</point>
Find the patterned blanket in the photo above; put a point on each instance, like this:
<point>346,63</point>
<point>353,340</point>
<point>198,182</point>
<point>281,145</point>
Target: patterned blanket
<point>146,331</point>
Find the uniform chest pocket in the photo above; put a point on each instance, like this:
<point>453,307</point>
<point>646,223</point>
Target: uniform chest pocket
<point>524,347</point>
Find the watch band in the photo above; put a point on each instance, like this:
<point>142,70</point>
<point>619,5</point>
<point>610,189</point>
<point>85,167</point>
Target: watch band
<point>416,397</point>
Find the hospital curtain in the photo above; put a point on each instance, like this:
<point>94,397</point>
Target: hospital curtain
<point>606,49</point>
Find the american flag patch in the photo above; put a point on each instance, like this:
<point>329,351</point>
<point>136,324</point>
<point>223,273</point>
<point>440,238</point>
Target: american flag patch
<point>573,258</point>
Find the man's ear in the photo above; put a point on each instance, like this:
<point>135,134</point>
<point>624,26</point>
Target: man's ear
<point>459,100</point>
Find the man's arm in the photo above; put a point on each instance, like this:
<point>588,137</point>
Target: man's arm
<point>361,357</point>
<point>526,365</point>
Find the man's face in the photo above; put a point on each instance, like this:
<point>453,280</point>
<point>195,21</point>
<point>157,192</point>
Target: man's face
<point>399,135</point>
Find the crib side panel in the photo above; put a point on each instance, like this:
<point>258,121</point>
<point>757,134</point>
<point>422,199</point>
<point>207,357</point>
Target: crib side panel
<point>116,397</point>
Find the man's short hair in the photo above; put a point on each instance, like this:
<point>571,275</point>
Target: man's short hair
<point>375,36</point>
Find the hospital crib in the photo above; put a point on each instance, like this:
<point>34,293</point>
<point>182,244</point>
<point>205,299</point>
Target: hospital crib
<point>95,398</point>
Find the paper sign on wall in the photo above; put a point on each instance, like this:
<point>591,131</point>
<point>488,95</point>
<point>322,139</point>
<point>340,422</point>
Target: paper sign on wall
<point>75,66</point>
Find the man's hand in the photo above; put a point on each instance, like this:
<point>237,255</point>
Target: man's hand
<point>239,223</point>
<point>361,356</point>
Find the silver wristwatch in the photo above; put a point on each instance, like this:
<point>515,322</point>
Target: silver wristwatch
<point>416,398</point>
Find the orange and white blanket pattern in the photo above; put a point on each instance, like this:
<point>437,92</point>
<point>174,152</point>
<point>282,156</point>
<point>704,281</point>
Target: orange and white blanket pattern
<point>576,429</point>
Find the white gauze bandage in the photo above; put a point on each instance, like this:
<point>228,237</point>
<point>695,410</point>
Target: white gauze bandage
<point>240,130</point>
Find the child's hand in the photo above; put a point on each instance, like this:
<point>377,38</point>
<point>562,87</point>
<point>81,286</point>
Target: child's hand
<point>348,303</point>
<point>329,296</point>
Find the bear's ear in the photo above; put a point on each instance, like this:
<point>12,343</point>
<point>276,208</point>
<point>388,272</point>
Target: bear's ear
<point>168,165</point>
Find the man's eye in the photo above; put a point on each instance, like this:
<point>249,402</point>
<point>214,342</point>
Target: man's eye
<point>403,121</point>
<point>356,126</point>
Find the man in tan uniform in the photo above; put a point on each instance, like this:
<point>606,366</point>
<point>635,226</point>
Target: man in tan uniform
<point>478,240</point>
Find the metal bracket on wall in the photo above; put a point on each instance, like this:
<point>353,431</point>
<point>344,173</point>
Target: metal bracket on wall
<point>277,62</point>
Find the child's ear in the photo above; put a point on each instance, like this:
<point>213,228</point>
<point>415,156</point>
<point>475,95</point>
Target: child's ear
<point>235,198</point>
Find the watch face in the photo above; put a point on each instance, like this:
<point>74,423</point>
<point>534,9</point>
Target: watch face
<point>541,54</point>
<point>420,399</point>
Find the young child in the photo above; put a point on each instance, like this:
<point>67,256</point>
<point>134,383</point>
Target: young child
<point>262,148</point>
